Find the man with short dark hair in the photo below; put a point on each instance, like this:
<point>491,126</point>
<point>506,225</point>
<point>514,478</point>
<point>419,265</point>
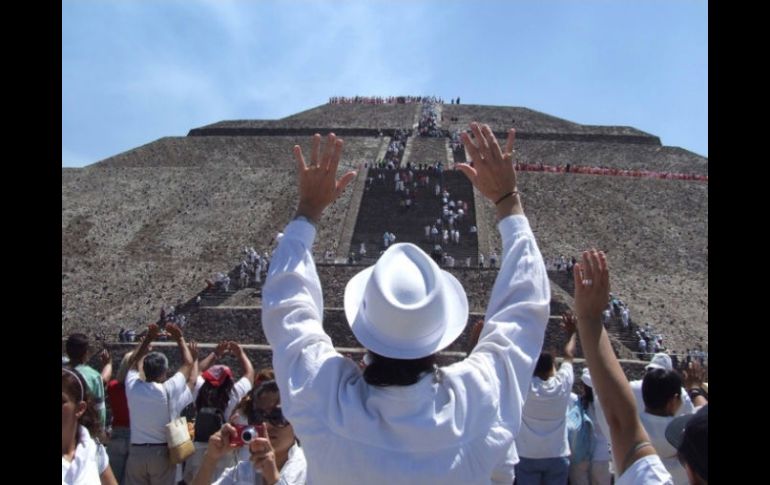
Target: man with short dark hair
<point>151,405</point>
<point>662,393</point>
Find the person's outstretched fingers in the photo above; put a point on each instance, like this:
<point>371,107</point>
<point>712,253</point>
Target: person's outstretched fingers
<point>315,150</point>
<point>603,269</point>
<point>494,147</point>
<point>328,149</point>
<point>301,167</point>
<point>509,142</point>
<point>473,150</point>
<point>483,147</point>
<point>587,269</point>
<point>335,160</point>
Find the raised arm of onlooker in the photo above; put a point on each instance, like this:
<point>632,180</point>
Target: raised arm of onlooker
<point>248,368</point>
<point>152,333</point>
<point>516,317</point>
<point>191,380</point>
<point>629,439</point>
<point>209,360</point>
<point>187,361</point>
<point>106,359</point>
<point>569,324</point>
<point>693,382</point>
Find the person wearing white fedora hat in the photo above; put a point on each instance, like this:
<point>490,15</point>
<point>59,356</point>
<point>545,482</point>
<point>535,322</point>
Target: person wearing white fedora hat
<point>402,419</point>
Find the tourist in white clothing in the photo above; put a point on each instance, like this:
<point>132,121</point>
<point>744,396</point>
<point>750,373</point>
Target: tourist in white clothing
<point>542,442</point>
<point>662,393</point>
<point>403,419</point>
<point>151,405</point>
<point>275,457</point>
<point>84,459</point>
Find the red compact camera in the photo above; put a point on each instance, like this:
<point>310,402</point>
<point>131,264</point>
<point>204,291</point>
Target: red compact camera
<point>245,434</point>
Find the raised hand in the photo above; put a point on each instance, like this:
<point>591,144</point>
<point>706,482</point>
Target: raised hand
<point>592,286</point>
<point>222,348</point>
<point>153,330</point>
<point>318,184</point>
<point>492,172</point>
<point>174,331</point>
<point>234,349</point>
<point>569,322</point>
<point>193,346</point>
<point>693,375</point>
<point>104,357</point>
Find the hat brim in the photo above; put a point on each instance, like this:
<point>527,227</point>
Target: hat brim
<point>675,430</point>
<point>455,313</point>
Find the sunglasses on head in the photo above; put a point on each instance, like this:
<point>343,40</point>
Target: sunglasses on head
<point>274,417</point>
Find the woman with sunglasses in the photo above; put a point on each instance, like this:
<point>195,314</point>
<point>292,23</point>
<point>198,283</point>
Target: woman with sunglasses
<point>273,457</point>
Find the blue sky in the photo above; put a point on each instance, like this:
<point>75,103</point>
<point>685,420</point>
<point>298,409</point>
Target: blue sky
<point>135,71</point>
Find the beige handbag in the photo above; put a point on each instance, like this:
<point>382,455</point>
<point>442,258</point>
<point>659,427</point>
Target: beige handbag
<point>180,445</point>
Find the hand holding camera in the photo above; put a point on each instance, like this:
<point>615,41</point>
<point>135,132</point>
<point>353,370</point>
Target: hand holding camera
<point>263,456</point>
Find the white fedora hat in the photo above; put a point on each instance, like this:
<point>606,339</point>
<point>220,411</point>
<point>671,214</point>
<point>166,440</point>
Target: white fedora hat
<point>405,306</point>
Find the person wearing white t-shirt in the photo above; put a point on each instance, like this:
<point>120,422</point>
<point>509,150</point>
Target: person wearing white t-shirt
<point>635,458</point>
<point>662,393</point>
<point>84,460</point>
<point>661,361</point>
<point>542,442</point>
<point>151,405</point>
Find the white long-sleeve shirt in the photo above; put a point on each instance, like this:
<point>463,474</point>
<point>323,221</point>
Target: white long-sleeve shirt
<point>457,429</point>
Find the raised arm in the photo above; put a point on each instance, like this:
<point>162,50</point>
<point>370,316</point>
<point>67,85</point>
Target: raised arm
<point>187,361</point>
<point>592,285</point>
<point>195,372</point>
<point>516,317</point>
<point>292,300</point>
<point>152,333</point>
<point>106,359</point>
<point>248,368</point>
<point>569,324</point>
<point>217,354</point>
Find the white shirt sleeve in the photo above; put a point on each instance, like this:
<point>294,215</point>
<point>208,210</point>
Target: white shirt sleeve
<point>515,320</point>
<point>648,470</point>
<point>102,460</point>
<point>240,389</point>
<point>178,392</point>
<point>292,308</point>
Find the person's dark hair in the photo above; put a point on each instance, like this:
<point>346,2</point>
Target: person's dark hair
<point>214,397</point>
<point>588,396</point>
<point>74,385</point>
<point>249,402</point>
<point>385,371</point>
<point>544,364</point>
<point>659,386</point>
<point>155,364</point>
<point>77,347</point>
